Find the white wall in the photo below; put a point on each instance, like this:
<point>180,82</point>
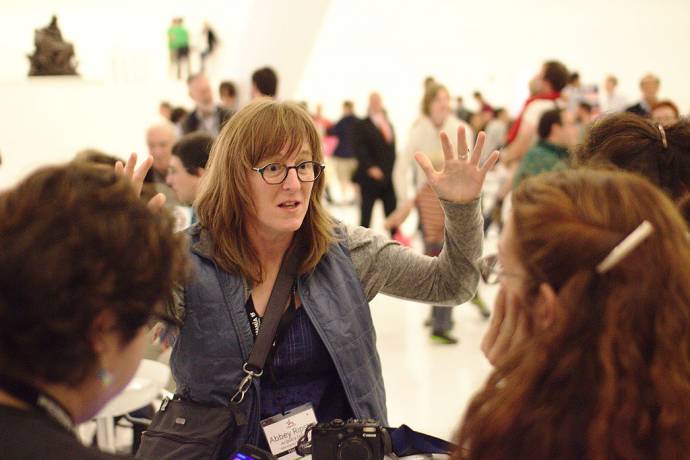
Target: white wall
<point>494,46</point>
<point>123,62</point>
<point>324,50</point>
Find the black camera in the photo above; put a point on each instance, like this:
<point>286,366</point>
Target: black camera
<point>351,440</point>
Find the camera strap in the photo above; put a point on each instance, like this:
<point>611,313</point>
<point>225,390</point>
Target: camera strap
<point>289,269</point>
<point>406,441</point>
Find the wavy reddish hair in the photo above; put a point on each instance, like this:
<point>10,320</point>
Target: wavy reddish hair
<point>610,378</point>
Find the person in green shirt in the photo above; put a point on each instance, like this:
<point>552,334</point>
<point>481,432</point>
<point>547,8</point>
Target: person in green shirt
<point>557,133</point>
<point>178,44</point>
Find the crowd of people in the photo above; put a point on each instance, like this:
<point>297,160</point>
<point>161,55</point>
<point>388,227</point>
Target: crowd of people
<point>589,334</point>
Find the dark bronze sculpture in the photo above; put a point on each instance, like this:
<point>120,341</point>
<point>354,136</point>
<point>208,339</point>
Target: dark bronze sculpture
<point>53,55</point>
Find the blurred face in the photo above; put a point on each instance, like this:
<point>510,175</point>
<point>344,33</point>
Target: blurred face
<point>439,109</point>
<point>181,181</point>
<point>566,133</point>
<point>610,85</point>
<point>201,93</point>
<point>537,83</point>
<point>514,272</point>
<point>165,111</point>
<point>664,115</point>
<point>649,87</point>
<point>375,103</point>
<point>280,208</point>
<point>159,140</point>
<point>227,101</point>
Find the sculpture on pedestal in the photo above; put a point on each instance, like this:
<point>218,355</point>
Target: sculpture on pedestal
<point>53,55</point>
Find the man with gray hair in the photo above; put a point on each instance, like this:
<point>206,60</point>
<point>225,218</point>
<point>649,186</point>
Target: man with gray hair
<point>160,138</point>
<point>207,116</point>
<point>649,87</point>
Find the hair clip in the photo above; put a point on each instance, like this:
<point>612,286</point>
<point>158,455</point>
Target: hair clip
<point>663,136</point>
<point>626,246</point>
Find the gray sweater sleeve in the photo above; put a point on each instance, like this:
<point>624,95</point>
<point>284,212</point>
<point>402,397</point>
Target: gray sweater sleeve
<point>385,266</point>
<point>451,278</point>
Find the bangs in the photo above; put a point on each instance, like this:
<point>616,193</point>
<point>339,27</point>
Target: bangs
<point>283,129</point>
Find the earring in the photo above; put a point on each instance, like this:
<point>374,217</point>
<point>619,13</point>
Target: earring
<point>104,376</point>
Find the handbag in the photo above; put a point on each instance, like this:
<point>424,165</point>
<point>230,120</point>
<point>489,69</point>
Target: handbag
<point>184,429</point>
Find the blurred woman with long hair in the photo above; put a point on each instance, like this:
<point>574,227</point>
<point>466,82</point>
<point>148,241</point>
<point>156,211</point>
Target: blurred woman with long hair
<point>594,268</point>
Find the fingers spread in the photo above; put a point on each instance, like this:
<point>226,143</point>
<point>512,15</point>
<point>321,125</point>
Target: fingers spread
<point>478,147</point>
<point>490,162</point>
<point>462,140</point>
<point>425,164</point>
<point>156,203</point>
<point>448,152</point>
<point>130,165</point>
<point>141,171</point>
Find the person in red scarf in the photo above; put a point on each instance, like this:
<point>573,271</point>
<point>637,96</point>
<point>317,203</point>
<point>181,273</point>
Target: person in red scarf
<point>546,89</point>
<point>550,81</point>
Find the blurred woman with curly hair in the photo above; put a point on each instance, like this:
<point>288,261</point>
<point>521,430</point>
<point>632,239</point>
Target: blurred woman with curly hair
<point>593,353</point>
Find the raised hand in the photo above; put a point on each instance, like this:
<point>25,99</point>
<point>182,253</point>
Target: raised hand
<point>461,178</point>
<point>137,175</point>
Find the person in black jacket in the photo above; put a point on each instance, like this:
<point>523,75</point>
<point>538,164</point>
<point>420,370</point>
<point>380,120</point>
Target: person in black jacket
<point>649,87</point>
<point>206,116</point>
<point>375,152</point>
<point>344,155</point>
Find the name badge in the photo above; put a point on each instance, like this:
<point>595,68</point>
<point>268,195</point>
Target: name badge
<point>283,431</point>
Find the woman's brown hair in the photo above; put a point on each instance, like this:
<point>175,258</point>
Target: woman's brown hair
<point>628,141</point>
<point>430,93</point>
<point>610,378</point>
<point>75,240</point>
<point>256,133</point>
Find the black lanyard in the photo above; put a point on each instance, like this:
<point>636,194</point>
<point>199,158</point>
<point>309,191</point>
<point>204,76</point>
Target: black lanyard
<point>255,320</point>
<point>40,401</point>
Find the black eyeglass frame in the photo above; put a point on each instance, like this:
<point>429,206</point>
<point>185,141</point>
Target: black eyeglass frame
<point>318,167</point>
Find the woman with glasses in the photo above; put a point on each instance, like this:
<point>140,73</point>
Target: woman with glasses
<point>263,187</point>
<point>593,350</point>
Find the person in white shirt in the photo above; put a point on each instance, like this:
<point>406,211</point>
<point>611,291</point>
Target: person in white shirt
<point>610,100</point>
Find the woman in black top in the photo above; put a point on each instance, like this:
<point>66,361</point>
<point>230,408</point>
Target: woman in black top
<point>84,266</point>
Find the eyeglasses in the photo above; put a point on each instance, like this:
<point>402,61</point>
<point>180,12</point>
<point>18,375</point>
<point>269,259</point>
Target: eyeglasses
<point>276,173</point>
<point>491,269</point>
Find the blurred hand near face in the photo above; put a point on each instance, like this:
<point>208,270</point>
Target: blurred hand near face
<point>508,327</point>
<point>137,175</point>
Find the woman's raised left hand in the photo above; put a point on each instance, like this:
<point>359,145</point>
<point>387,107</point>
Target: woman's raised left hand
<point>461,178</point>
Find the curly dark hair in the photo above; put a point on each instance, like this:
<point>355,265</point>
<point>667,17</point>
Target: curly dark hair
<point>609,378</point>
<point>75,240</point>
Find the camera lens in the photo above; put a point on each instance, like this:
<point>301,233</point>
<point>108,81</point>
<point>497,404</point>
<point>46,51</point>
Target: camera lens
<point>354,449</point>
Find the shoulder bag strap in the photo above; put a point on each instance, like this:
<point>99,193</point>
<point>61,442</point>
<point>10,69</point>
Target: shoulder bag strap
<point>289,268</point>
